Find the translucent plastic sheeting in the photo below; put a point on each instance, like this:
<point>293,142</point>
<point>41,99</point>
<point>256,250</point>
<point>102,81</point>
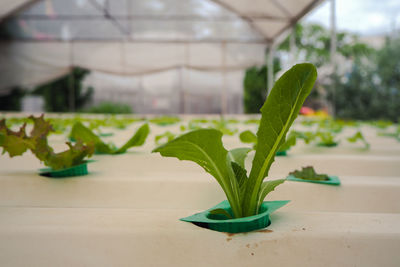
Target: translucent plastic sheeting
<point>44,39</point>
<point>175,90</point>
<point>30,64</point>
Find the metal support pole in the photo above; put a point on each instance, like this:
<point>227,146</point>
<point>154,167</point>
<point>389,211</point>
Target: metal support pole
<point>333,50</point>
<point>292,43</point>
<point>270,68</point>
<point>181,91</point>
<point>71,89</point>
<point>224,96</point>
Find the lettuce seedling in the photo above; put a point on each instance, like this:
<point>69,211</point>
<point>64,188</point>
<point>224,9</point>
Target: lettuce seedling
<point>165,136</point>
<point>250,138</point>
<point>17,143</point>
<point>244,192</point>
<point>395,134</point>
<point>165,120</point>
<point>79,131</point>
<point>307,136</point>
<point>308,173</point>
<point>222,125</point>
<point>326,139</point>
<point>252,121</point>
<point>358,136</point>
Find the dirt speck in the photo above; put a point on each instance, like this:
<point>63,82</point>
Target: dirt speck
<point>229,239</point>
<point>230,234</point>
<point>304,229</point>
<point>265,231</point>
<point>252,254</point>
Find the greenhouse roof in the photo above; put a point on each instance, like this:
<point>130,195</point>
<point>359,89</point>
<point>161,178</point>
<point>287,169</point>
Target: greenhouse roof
<point>155,20</point>
<point>138,37</point>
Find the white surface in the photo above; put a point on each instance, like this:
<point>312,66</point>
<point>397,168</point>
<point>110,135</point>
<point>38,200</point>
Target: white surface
<point>126,211</point>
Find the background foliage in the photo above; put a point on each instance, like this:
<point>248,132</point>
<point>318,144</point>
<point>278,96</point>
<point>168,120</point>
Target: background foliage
<point>110,108</point>
<point>56,93</point>
<point>255,84</point>
<point>365,84</point>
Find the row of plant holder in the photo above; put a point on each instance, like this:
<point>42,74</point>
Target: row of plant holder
<point>207,219</point>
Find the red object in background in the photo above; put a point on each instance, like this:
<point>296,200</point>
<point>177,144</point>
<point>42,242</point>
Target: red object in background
<point>306,111</point>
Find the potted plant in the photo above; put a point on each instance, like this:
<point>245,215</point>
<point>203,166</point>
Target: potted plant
<point>70,162</point>
<point>246,192</point>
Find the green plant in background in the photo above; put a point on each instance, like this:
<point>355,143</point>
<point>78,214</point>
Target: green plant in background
<point>394,134</point>
<point>79,131</point>
<point>326,139</point>
<point>250,138</point>
<point>57,93</point>
<point>381,124</point>
<point>165,120</point>
<point>307,136</point>
<point>17,143</point>
<point>371,89</point>
<point>168,136</point>
<point>246,193</point>
<point>358,136</point>
<point>308,173</point>
<point>107,107</point>
<point>252,121</point>
<point>222,125</point>
<point>289,142</point>
<point>255,84</point>
<point>313,44</point>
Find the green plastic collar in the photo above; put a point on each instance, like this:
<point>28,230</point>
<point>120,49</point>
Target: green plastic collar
<point>281,153</point>
<point>333,180</point>
<point>77,170</point>
<point>239,225</point>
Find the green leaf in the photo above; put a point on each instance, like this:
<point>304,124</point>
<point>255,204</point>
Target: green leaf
<point>137,140</point>
<point>278,113</point>
<point>71,157</point>
<point>222,125</point>
<point>248,137</point>
<point>240,174</point>
<point>267,187</point>
<point>14,143</point>
<point>239,155</point>
<point>167,135</point>
<point>80,131</point>
<point>308,173</point>
<point>308,136</point>
<point>326,138</point>
<point>165,120</point>
<point>358,136</point>
<point>205,148</point>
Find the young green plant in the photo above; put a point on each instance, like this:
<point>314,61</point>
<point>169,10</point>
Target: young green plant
<point>80,131</point>
<point>246,193</point>
<point>17,143</point>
